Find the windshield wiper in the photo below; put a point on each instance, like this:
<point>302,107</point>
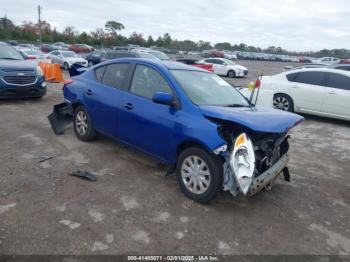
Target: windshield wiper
<point>237,105</point>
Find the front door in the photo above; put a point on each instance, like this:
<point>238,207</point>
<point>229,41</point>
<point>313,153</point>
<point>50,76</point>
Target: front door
<point>143,123</point>
<point>337,98</point>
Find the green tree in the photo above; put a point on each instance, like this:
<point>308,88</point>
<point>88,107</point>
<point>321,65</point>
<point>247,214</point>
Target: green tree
<point>150,41</point>
<point>137,39</point>
<point>166,40</point>
<point>223,46</point>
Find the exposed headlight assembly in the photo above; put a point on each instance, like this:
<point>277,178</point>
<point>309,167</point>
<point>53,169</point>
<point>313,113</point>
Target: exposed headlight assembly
<point>242,162</point>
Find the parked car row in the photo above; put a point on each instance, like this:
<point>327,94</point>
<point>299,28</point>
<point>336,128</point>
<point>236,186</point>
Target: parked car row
<point>78,48</point>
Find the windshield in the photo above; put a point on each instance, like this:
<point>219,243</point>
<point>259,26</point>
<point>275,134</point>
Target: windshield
<point>8,52</point>
<point>159,55</point>
<point>229,62</point>
<point>69,54</point>
<point>208,89</point>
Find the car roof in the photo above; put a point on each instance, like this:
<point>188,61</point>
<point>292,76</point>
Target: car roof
<point>170,65</point>
<point>319,69</point>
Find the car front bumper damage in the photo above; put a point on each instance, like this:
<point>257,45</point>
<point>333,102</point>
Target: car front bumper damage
<point>266,178</point>
<point>259,182</point>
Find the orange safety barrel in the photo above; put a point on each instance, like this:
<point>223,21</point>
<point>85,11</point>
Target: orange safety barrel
<point>52,72</point>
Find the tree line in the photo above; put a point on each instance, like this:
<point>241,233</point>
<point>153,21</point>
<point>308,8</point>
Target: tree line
<point>109,35</point>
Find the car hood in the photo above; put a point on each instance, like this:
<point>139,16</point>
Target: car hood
<point>17,65</point>
<point>238,67</point>
<point>256,118</point>
<point>75,59</point>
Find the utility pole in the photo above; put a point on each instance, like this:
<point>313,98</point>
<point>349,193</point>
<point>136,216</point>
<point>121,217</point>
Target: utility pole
<point>39,23</point>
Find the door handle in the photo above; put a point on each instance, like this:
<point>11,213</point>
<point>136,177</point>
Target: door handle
<point>332,92</point>
<point>89,92</point>
<point>129,106</point>
<point>295,86</point>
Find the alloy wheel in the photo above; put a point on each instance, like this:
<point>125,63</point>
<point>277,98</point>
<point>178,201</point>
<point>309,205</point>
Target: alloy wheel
<point>81,122</point>
<point>281,103</point>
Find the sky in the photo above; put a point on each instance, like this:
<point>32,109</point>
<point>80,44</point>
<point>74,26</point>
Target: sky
<point>295,25</point>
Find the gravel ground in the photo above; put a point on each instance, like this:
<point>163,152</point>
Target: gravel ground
<point>134,209</point>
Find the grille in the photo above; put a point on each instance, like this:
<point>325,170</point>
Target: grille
<point>19,80</point>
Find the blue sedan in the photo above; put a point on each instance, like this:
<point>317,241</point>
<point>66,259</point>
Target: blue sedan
<point>188,118</point>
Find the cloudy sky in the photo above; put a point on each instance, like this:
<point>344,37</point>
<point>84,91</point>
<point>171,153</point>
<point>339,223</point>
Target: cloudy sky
<point>298,25</point>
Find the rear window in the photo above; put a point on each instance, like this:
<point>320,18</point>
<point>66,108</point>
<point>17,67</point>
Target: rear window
<point>310,78</point>
<point>291,77</point>
<point>115,75</point>
<point>338,81</point>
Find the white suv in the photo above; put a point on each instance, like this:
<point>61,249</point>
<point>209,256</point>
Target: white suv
<point>225,67</point>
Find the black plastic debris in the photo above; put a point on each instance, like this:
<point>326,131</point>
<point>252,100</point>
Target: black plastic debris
<point>76,69</point>
<point>84,174</point>
<point>44,158</point>
<point>60,118</point>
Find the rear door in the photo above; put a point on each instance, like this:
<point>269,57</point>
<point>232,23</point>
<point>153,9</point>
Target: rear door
<point>103,98</point>
<point>218,66</point>
<point>307,90</point>
<point>337,98</point>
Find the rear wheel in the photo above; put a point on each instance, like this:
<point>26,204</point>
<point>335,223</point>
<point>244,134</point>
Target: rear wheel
<point>283,102</point>
<point>231,74</point>
<point>82,125</point>
<point>199,174</point>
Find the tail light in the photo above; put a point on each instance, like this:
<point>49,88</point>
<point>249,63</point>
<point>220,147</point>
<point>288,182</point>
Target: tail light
<point>67,82</point>
<point>30,57</point>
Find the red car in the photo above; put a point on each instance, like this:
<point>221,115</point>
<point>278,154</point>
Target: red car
<point>345,61</point>
<point>81,48</point>
<point>193,62</point>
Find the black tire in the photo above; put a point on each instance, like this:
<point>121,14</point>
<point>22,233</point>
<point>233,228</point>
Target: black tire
<point>215,166</point>
<point>283,102</point>
<point>90,132</point>
<point>231,74</point>
<point>66,66</point>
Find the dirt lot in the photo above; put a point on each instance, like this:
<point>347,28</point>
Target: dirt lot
<point>134,209</point>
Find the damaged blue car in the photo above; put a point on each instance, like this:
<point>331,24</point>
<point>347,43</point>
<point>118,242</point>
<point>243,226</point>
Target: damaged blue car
<point>187,118</point>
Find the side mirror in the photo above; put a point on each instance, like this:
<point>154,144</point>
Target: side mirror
<point>164,99</point>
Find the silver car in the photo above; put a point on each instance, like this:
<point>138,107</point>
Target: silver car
<point>66,58</point>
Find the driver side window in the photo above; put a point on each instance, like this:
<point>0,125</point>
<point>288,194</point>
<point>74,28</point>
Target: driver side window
<point>146,81</point>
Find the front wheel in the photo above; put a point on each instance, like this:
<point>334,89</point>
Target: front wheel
<point>199,174</point>
<point>82,125</point>
<point>283,102</point>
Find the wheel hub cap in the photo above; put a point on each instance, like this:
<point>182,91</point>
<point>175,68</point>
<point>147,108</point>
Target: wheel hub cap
<point>195,174</point>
